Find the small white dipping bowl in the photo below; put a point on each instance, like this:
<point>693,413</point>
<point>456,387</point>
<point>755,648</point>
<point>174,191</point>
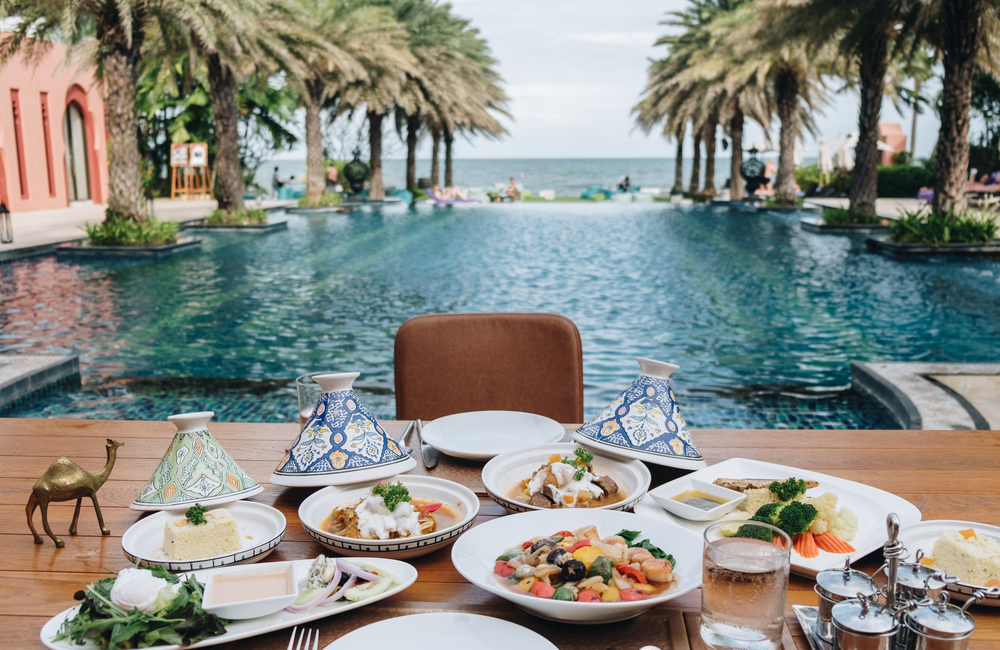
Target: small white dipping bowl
<point>318,506</point>
<point>251,607</point>
<point>506,471</point>
<point>664,495</point>
<point>475,554</point>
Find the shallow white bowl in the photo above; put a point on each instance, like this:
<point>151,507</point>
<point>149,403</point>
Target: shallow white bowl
<point>444,631</point>
<point>319,505</point>
<point>474,556</point>
<point>921,537</point>
<point>481,435</point>
<point>505,471</point>
<point>261,529</point>
<point>252,607</point>
<point>664,495</point>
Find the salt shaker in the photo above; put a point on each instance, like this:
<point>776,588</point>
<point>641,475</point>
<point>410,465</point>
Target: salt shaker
<point>859,624</point>
<point>940,626</point>
<point>837,585</point>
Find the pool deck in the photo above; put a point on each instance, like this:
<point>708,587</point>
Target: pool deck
<point>934,396</point>
<point>885,208</point>
<point>24,376</point>
<point>40,231</point>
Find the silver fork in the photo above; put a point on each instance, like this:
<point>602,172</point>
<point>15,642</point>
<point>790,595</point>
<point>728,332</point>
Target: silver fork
<point>304,639</point>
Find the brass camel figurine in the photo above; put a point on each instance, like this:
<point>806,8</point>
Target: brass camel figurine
<point>64,480</point>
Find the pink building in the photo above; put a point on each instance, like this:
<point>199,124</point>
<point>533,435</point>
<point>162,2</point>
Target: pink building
<point>891,134</point>
<point>52,134</point>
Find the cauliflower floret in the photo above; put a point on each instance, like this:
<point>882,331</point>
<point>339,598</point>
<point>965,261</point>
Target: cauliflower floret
<point>843,523</point>
<point>755,499</point>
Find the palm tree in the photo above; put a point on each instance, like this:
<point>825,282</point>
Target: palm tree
<point>917,65</point>
<point>110,35</point>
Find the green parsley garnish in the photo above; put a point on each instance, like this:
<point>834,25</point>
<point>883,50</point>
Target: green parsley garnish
<point>196,514</point>
<point>584,455</point>
<point>580,462</point>
<point>392,493</point>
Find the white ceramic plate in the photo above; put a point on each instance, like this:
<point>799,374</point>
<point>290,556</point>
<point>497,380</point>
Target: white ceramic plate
<point>346,476</point>
<point>230,497</point>
<point>481,435</point>
<point>639,454</point>
<point>261,529</point>
<point>253,627</point>
<point>506,471</point>
<point>444,631</point>
<point>475,554</point>
<point>318,506</point>
<point>871,505</point>
<point>921,537</point>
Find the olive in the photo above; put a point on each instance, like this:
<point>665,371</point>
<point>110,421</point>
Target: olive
<point>548,541</point>
<point>558,556</point>
<point>573,570</point>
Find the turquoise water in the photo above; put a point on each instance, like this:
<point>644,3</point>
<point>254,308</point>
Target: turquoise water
<point>762,318</point>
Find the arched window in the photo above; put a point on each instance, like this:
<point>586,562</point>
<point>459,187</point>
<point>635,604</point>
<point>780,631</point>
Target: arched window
<point>77,168</point>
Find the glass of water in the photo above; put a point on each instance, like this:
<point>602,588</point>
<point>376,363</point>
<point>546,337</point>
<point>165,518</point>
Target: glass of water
<point>744,585</point>
<point>309,392</point>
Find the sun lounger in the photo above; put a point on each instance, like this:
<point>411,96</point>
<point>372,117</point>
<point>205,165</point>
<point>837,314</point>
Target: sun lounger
<point>438,200</point>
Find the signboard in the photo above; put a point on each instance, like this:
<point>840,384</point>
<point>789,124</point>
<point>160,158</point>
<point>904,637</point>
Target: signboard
<point>178,155</point>
<point>199,154</point>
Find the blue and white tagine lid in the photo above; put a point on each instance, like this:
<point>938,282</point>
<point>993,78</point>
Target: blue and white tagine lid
<point>643,422</point>
<point>341,443</point>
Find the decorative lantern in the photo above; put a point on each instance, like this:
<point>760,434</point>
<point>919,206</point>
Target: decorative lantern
<point>6,226</point>
<point>752,171</point>
<point>356,172</point>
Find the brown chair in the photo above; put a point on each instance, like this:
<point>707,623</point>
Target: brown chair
<point>452,363</point>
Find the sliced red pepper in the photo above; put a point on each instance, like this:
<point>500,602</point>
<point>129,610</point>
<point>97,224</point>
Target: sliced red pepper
<point>502,568</point>
<point>632,572</point>
<point>632,594</point>
<point>542,590</point>
<point>430,507</point>
<point>526,545</point>
<point>589,596</point>
<point>563,533</point>
<point>580,544</point>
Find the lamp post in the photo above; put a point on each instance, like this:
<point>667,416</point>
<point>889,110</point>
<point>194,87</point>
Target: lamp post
<point>6,226</point>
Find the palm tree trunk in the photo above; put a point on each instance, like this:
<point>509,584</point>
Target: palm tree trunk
<point>961,25</point>
<point>786,86</point>
<point>315,174</point>
<point>376,191</point>
<point>696,161</point>
<point>913,123</point>
<point>679,161</point>
<point>736,136</point>
<point>872,66</point>
<point>125,196</point>
<point>228,178</point>
<point>435,156</point>
<point>708,190</point>
<point>449,139</point>
<point>412,130</point>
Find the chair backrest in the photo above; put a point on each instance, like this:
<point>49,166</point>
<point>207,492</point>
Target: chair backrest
<point>452,363</point>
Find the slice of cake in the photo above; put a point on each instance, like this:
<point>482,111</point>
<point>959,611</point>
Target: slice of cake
<point>201,534</point>
<point>973,557</point>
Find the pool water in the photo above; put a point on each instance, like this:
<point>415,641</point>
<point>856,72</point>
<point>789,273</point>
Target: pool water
<point>762,317</point>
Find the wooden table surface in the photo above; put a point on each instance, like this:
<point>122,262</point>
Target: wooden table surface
<point>947,474</point>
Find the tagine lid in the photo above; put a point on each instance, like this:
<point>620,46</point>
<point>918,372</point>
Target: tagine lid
<point>195,469</point>
<point>341,443</point>
<point>644,422</point>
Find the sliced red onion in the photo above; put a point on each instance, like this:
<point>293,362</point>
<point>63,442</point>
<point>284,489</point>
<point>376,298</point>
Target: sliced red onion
<point>340,594</point>
<point>334,583</point>
<point>355,571</point>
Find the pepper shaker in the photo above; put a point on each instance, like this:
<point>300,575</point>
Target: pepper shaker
<point>837,585</point>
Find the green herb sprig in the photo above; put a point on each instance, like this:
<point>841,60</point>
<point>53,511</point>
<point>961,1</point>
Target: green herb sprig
<point>392,493</point>
<point>583,457</point>
<point>196,514</point>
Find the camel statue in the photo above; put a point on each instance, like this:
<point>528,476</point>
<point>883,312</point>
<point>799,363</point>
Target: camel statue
<point>64,480</point>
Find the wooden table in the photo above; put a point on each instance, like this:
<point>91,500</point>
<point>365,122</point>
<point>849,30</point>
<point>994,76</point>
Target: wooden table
<point>948,475</point>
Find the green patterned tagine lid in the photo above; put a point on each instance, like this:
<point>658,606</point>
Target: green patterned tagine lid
<point>195,469</point>
<point>644,423</point>
<point>341,443</point>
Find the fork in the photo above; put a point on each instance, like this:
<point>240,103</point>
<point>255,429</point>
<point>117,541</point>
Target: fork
<point>304,639</point>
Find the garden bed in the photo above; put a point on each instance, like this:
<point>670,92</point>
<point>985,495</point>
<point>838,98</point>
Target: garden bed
<point>84,249</point>
<point>817,224</point>
<point>266,227</point>
<point>899,250</point>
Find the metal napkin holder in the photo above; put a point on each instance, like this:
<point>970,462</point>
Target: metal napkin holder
<point>896,597</point>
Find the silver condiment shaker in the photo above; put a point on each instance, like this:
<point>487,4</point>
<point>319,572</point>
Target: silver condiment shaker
<point>860,624</point>
<point>940,625</point>
<point>914,581</point>
<point>837,585</point>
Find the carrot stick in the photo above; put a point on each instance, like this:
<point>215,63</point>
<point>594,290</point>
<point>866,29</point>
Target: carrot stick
<point>778,540</point>
<point>833,544</point>
<point>805,545</point>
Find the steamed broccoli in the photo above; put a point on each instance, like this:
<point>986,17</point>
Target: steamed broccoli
<point>767,513</point>
<point>788,490</point>
<point>754,532</point>
<point>796,517</point>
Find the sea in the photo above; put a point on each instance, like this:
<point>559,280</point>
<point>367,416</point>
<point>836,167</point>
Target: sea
<point>565,176</point>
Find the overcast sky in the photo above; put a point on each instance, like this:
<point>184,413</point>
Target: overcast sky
<point>575,68</point>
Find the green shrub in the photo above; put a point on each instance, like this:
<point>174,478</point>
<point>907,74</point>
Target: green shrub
<point>902,158</point>
<point>807,174</point>
<point>117,230</point>
<point>903,181</point>
<point>772,202</point>
<point>243,218</point>
<point>328,199</point>
<point>926,227</point>
<point>846,216</point>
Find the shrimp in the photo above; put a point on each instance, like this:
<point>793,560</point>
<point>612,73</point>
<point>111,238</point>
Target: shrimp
<point>617,552</point>
<point>657,570</point>
<point>589,532</point>
<point>638,555</point>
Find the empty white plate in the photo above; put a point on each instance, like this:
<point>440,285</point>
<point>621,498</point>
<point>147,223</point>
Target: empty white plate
<point>481,435</point>
<point>444,631</point>
<point>261,529</point>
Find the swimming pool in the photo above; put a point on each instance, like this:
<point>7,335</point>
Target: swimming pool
<point>762,317</point>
